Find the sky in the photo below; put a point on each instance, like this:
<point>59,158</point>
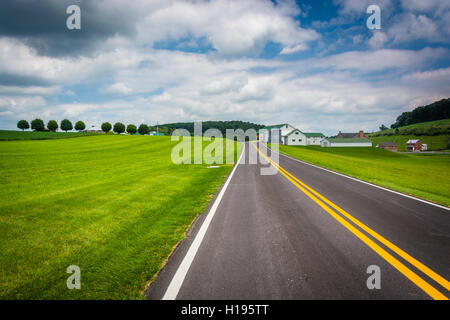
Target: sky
<point>312,64</point>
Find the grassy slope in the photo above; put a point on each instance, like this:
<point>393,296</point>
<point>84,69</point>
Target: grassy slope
<point>34,135</point>
<point>113,205</point>
<point>438,142</point>
<point>437,123</point>
<point>433,142</point>
<point>424,176</point>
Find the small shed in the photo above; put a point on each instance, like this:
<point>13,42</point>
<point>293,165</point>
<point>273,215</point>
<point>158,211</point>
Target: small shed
<point>391,146</point>
<point>413,145</point>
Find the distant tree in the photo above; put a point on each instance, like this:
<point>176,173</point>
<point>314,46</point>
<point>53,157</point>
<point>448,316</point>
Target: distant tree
<point>383,127</point>
<point>66,125</point>
<point>80,126</point>
<point>23,124</point>
<point>52,125</point>
<point>119,127</point>
<point>37,125</point>
<point>435,111</point>
<point>106,127</point>
<point>397,131</point>
<point>131,129</point>
<point>143,129</point>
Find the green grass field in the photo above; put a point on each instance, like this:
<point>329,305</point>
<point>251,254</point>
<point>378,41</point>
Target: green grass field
<point>43,135</point>
<point>113,205</point>
<point>423,175</point>
<point>439,142</point>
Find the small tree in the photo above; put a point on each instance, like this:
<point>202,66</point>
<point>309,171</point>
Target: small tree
<point>52,125</point>
<point>131,129</point>
<point>23,124</point>
<point>144,129</point>
<point>37,125</point>
<point>119,127</point>
<point>383,127</point>
<point>66,125</point>
<point>106,127</point>
<point>80,126</point>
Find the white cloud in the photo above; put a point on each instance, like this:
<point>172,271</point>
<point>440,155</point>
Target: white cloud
<point>232,27</point>
<point>412,27</point>
<point>378,39</point>
<point>117,88</point>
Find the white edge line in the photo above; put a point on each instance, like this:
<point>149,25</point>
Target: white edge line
<point>362,181</point>
<point>183,268</point>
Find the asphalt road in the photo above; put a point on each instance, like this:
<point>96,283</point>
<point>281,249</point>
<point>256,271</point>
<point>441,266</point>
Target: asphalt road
<point>268,239</point>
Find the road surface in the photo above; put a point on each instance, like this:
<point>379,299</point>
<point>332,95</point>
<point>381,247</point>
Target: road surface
<point>307,233</point>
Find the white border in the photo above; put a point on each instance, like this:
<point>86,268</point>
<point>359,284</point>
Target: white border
<point>362,181</point>
<point>183,268</point>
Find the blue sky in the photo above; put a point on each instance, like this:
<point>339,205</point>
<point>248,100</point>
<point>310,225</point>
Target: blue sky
<point>313,64</point>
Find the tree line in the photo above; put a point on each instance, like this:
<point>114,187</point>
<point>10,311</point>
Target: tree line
<point>220,125</point>
<point>66,125</point>
<point>435,111</point>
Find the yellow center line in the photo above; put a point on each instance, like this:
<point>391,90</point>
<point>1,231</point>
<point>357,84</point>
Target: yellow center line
<point>430,290</point>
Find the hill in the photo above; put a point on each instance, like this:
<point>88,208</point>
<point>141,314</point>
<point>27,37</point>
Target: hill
<point>435,111</point>
<point>436,134</point>
<point>429,128</point>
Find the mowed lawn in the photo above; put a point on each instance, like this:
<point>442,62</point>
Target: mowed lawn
<point>42,135</point>
<point>422,175</point>
<point>113,205</point>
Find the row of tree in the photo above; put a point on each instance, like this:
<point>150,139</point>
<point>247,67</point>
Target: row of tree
<point>52,125</point>
<point>436,111</point>
<point>220,125</point>
<point>66,125</point>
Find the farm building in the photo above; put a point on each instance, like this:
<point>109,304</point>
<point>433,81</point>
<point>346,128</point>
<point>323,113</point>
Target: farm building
<point>295,138</point>
<point>288,135</point>
<point>95,129</point>
<point>391,146</point>
<point>414,145</point>
<point>280,130</point>
<point>356,135</point>
<point>345,142</point>
<point>154,133</point>
<point>314,138</point>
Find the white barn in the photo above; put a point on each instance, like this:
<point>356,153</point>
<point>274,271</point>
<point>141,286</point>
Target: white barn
<point>295,138</point>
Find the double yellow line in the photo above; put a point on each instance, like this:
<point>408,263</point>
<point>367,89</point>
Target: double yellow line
<point>339,213</point>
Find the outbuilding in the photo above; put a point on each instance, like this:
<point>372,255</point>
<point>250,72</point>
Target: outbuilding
<point>345,142</point>
<point>295,138</point>
<point>391,146</point>
<point>413,145</point>
<point>314,138</point>
<point>94,129</point>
